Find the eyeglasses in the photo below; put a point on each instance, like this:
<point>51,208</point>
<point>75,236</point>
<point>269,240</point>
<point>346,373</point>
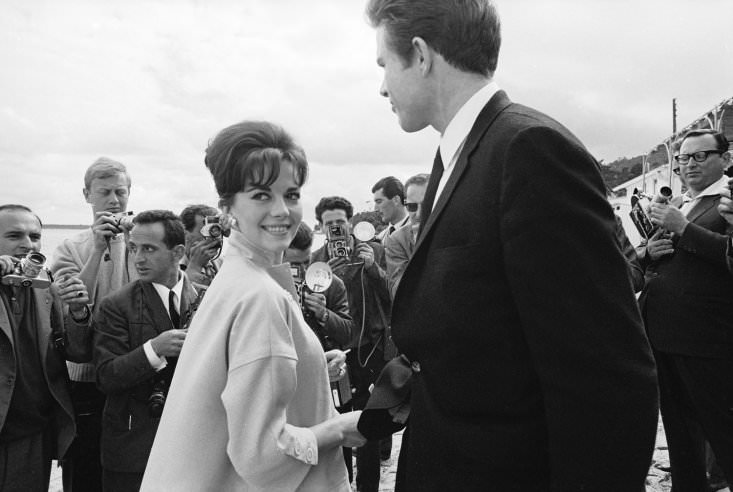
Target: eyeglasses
<point>699,156</point>
<point>411,206</point>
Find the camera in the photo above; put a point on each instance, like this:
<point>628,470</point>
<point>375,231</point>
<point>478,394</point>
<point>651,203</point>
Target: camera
<point>156,400</point>
<point>123,220</point>
<point>212,227</point>
<point>337,241</point>
<point>297,270</point>
<point>29,272</point>
<point>640,204</point>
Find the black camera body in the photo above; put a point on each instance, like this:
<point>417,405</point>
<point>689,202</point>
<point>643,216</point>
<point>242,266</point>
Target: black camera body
<point>156,400</point>
<point>337,241</point>
<point>297,270</point>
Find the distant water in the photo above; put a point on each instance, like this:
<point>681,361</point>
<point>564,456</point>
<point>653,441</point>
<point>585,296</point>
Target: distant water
<point>53,236</point>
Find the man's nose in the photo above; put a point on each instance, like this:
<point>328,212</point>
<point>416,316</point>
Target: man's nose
<point>383,89</point>
<point>25,243</point>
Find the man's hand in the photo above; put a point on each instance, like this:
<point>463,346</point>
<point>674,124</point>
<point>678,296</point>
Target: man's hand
<point>104,229</point>
<point>659,245</point>
<point>7,264</point>
<point>202,252</point>
<point>336,360</point>
<point>169,343</point>
<point>317,303</point>
<point>725,208</point>
<point>366,252</point>
<point>73,292</point>
<point>668,217</point>
<point>342,268</point>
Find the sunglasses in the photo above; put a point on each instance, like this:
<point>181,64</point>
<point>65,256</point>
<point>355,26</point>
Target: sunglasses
<point>411,206</point>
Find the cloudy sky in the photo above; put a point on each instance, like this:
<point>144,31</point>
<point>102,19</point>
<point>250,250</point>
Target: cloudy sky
<point>149,83</point>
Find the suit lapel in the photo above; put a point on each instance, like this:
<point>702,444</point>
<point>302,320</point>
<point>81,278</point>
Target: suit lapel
<point>493,108</point>
<point>188,295</point>
<point>705,204</point>
<point>157,311</point>
<point>5,323</point>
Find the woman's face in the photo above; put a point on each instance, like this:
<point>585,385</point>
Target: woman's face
<point>268,216</point>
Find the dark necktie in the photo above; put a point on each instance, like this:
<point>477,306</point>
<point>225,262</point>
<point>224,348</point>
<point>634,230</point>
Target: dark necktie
<point>175,317</point>
<point>435,175</point>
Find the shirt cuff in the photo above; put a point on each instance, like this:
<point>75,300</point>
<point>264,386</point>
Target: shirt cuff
<point>300,443</point>
<point>156,362</point>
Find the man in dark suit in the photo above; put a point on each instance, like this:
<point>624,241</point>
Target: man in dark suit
<point>36,414</point>
<point>138,337</point>
<point>687,306</point>
<point>532,371</point>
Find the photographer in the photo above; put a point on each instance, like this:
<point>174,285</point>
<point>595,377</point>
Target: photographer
<point>202,259</point>
<point>137,340</point>
<point>364,274</point>
<point>36,414</point>
<point>99,257</point>
<point>686,305</point>
<point>327,313</point>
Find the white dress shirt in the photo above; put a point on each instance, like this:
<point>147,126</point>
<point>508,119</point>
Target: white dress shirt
<point>454,136</point>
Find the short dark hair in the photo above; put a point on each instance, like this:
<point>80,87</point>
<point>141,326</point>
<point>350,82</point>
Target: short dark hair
<point>104,167</point>
<point>418,179</point>
<point>333,203</point>
<point>14,207</point>
<point>467,33</point>
<point>303,237</point>
<point>173,234</point>
<point>189,214</point>
<point>251,152</point>
<point>390,187</point>
<point>721,143</point>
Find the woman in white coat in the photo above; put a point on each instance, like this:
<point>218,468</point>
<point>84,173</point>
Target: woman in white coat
<point>249,408</point>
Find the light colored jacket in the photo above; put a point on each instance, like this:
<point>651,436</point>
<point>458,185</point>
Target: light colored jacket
<point>250,381</point>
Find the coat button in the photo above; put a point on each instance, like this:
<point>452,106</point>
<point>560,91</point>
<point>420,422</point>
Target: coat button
<point>415,366</point>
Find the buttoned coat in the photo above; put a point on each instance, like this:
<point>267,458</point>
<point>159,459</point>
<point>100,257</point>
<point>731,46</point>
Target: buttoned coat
<point>54,367</point>
<point>125,320</point>
<point>686,302</point>
<point>532,369</point>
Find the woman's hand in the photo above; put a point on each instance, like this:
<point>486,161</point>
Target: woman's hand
<point>339,431</point>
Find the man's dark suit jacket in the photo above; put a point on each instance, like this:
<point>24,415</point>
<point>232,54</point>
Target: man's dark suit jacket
<point>533,371</point>
<point>688,302</point>
<point>53,364</point>
<point>125,321</point>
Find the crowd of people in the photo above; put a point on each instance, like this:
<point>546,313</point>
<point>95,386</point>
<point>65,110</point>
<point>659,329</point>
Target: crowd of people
<point>493,316</point>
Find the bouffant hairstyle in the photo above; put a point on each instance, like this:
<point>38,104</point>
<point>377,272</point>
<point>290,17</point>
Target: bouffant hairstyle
<point>251,152</point>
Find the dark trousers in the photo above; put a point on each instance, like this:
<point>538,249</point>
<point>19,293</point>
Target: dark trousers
<point>82,466</point>
<point>367,456</point>
<point>25,464</point>
<point>696,397</point>
<point>121,481</point>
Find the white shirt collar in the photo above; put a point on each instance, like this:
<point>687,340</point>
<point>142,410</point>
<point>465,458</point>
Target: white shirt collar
<point>163,291</point>
<point>714,189</point>
<point>459,127</point>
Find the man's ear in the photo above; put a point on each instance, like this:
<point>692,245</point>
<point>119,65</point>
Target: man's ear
<point>179,250</point>
<point>86,194</point>
<point>423,54</point>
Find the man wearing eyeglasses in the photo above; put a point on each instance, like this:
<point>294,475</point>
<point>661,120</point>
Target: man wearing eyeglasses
<point>399,245</point>
<point>688,310</point>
